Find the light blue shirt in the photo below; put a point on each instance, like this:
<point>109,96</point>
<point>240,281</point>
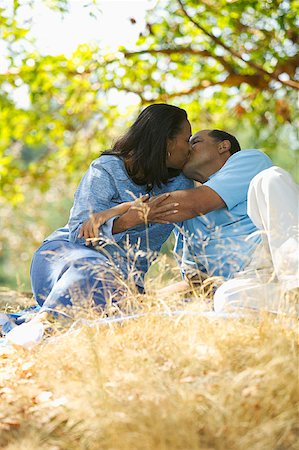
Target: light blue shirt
<point>221,242</point>
<point>105,184</point>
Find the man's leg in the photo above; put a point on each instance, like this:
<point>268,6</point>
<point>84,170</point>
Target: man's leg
<point>273,206</point>
<point>249,291</point>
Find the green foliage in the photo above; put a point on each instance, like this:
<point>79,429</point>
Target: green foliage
<point>231,64</point>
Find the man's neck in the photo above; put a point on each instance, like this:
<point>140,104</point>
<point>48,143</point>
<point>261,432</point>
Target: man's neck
<point>204,173</point>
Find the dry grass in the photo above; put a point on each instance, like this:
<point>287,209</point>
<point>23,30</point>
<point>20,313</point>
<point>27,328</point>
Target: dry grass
<point>155,382</point>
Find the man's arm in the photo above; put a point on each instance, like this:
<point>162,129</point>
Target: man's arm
<point>187,203</point>
<point>194,202</point>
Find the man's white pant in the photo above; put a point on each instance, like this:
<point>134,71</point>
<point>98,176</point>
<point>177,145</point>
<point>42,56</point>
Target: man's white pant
<point>273,206</point>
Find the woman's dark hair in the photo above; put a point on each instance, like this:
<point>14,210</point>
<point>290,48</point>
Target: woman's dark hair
<point>145,143</point>
<point>220,136</point>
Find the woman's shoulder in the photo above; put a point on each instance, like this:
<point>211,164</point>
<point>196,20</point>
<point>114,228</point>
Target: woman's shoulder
<point>109,162</point>
<point>182,182</point>
<point>176,183</point>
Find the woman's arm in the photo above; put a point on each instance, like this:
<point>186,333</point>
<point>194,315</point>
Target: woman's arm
<point>95,193</point>
<point>156,209</point>
<point>139,209</point>
<point>90,228</point>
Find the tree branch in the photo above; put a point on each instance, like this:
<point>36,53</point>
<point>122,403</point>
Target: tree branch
<point>170,51</point>
<point>289,66</point>
<point>218,41</point>
<point>182,51</point>
<point>231,81</point>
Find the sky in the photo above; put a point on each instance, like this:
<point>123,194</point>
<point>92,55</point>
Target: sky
<point>112,25</point>
<point>56,34</point>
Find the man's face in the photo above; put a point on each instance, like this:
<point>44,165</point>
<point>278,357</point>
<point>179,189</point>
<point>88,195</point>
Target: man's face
<point>204,151</point>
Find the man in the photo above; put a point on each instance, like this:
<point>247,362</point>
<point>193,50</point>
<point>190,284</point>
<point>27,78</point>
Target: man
<point>215,241</point>
<point>233,231</point>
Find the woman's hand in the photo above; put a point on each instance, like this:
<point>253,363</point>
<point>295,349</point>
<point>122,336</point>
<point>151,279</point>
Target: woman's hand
<point>90,228</point>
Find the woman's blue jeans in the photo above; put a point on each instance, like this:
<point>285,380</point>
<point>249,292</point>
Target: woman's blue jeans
<point>64,274</point>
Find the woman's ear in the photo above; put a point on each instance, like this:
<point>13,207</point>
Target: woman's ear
<point>169,149</point>
<point>170,145</point>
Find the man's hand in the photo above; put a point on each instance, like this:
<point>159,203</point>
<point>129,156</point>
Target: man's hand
<point>189,203</point>
<point>144,211</point>
<point>156,209</point>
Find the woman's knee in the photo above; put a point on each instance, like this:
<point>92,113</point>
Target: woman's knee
<point>42,273</point>
<point>49,263</point>
<point>70,275</point>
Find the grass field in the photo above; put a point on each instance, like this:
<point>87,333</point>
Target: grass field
<point>155,382</point>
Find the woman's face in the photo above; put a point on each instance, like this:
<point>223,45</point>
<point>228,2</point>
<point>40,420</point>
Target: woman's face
<point>178,148</point>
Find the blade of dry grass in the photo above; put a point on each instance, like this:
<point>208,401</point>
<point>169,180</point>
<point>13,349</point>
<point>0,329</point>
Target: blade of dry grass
<point>156,382</point>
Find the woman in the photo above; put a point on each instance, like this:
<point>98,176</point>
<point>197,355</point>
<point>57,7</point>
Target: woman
<point>146,161</point>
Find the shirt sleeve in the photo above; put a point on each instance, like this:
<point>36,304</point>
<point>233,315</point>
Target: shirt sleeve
<point>232,181</point>
<point>95,193</point>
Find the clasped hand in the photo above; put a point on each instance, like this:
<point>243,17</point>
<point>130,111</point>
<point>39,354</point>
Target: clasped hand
<point>142,210</point>
<point>154,209</point>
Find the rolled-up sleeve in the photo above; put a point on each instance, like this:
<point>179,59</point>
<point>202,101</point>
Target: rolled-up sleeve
<point>96,192</point>
<point>232,181</point>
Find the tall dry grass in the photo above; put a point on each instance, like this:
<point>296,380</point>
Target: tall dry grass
<point>155,382</point>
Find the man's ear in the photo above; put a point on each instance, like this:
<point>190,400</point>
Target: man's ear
<point>224,146</point>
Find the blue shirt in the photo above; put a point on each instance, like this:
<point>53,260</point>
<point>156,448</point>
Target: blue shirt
<point>219,243</point>
<point>105,184</point>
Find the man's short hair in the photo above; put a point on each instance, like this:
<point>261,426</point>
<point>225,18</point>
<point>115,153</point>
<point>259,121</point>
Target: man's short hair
<point>220,136</point>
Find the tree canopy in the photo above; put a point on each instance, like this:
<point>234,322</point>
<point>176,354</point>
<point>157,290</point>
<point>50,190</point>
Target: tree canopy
<point>231,64</point>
